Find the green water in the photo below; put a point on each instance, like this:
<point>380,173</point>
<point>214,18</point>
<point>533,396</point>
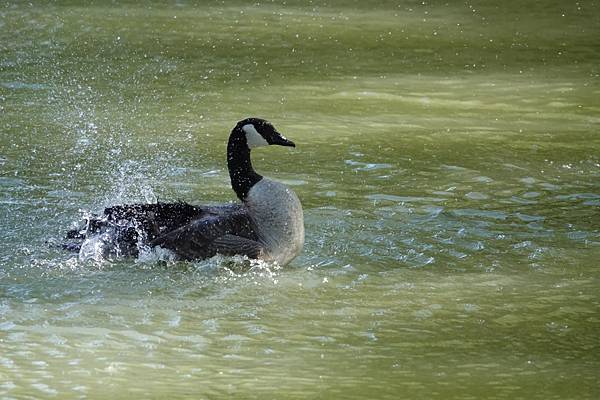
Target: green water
<point>448,161</point>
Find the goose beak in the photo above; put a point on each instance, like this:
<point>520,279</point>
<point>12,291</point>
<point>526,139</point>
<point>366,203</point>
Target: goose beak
<point>282,140</point>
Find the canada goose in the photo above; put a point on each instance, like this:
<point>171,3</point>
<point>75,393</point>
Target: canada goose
<point>268,224</point>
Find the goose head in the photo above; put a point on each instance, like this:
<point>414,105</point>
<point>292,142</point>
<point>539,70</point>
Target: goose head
<point>259,132</point>
<point>248,134</point>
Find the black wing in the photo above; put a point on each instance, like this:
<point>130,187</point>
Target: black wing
<point>128,224</point>
<point>209,235</point>
<point>153,219</point>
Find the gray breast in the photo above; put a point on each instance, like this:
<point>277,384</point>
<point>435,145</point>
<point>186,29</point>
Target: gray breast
<point>277,214</point>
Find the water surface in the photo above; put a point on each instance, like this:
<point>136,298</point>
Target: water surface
<point>448,163</point>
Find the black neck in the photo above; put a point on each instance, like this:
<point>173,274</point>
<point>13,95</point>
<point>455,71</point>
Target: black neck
<point>242,175</point>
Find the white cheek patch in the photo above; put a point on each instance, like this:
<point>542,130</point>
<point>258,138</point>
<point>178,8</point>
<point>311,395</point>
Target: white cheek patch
<point>253,138</point>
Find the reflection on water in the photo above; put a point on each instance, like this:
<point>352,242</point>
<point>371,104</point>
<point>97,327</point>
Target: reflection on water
<point>448,165</point>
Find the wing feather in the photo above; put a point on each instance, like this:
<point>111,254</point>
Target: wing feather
<point>195,240</point>
<point>230,245</point>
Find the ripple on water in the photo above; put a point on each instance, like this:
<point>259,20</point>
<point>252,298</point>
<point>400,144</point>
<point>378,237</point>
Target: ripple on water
<point>483,179</point>
<point>328,193</point>
<point>364,166</point>
<point>531,195</point>
<point>528,218</point>
<point>403,199</point>
<point>477,196</point>
<point>7,325</point>
<point>16,85</point>
<point>521,200</point>
<point>475,213</point>
<point>528,180</point>
<point>578,196</point>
